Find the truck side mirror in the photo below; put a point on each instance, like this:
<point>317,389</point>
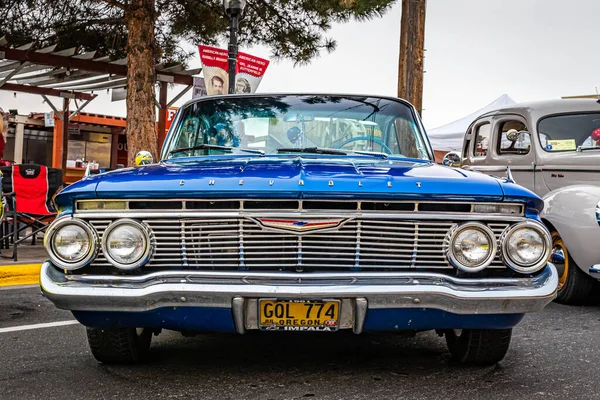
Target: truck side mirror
<point>143,158</point>
<point>451,159</point>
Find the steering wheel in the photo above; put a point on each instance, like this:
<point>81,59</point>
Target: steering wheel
<point>379,142</point>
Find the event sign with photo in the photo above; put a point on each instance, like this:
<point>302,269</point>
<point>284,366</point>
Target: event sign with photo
<point>249,70</point>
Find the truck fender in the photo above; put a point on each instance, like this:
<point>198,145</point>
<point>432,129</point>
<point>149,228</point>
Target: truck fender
<point>571,211</point>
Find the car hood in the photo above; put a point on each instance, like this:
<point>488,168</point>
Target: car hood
<point>291,177</point>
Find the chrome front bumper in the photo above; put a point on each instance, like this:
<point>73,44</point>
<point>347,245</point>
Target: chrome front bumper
<point>235,290</point>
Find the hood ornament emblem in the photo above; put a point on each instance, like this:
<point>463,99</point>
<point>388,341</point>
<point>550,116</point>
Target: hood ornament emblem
<point>300,225</point>
<point>181,182</point>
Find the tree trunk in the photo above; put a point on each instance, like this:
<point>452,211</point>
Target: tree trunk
<point>141,77</point>
<point>412,43</point>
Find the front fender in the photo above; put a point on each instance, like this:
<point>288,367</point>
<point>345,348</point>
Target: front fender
<point>571,210</point>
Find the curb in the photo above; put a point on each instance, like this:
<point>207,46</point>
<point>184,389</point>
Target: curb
<point>22,274</point>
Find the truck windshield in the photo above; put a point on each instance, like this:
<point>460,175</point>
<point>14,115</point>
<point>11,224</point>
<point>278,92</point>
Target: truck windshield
<point>268,123</point>
<point>568,132</point>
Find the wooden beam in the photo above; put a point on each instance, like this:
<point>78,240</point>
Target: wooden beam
<point>412,43</point>
<point>57,144</point>
<point>53,60</point>
<point>14,87</point>
<point>26,120</point>
<point>102,120</point>
<point>162,114</point>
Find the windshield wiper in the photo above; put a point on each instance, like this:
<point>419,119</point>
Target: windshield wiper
<point>215,147</point>
<point>312,150</point>
<point>371,153</point>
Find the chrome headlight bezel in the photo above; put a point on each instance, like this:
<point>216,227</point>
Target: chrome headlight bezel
<point>148,248</point>
<point>61,262</point>
<point>449,246</point>
<point>531,267</point>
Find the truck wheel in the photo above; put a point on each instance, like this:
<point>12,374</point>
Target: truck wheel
<point>119,345</point>
<point>575,287</point>
<point>478,346</point>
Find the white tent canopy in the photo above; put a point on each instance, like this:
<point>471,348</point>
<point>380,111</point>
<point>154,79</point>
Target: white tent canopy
<point>450,136</point>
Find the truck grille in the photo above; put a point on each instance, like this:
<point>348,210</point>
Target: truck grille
<point>242,244</point>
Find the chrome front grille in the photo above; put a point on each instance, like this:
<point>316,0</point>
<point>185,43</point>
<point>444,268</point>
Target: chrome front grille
<point>240,244</point>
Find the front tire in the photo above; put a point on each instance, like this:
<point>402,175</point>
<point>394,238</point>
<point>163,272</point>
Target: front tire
<point>119,345</point>
<point>478,346</point>
<point>575,287</point>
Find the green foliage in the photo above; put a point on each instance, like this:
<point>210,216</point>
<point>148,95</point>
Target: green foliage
<point>293,29</point>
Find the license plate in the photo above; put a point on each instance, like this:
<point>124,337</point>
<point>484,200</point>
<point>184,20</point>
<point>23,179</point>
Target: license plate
<point>298,315</point>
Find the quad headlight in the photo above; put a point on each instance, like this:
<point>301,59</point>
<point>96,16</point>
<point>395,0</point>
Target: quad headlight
<point>526,246</point>
<point>471,247</point>
<point>71,243</point>
<point>126,244</point>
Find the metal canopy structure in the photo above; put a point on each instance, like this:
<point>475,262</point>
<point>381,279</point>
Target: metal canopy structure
<point>76,76</point>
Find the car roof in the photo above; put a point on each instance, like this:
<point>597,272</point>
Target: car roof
<point>299,94</point>
<point>538,109</point>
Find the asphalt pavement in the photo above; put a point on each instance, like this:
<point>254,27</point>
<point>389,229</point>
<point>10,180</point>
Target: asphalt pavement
<point>554,354</point>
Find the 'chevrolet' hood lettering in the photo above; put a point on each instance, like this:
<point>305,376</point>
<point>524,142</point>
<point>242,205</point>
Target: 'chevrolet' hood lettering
<point>304,177</point>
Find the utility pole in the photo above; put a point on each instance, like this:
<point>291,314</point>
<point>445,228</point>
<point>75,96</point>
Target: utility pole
<point>412,47</point>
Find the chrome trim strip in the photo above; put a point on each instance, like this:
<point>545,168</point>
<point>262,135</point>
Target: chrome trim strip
<point>395,290</point>
<point>300,205</point>
<point>315,213</point>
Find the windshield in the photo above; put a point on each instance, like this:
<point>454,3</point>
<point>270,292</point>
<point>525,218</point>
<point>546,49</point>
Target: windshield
<point>283,123</point>
<point>568,132</point>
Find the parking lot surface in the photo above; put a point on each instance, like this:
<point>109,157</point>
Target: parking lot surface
<point>554,354</point>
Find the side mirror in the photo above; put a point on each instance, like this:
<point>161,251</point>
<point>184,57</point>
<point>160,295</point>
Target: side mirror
<point>143,158</point>
<point>451,159</point>
<point>513,135</point>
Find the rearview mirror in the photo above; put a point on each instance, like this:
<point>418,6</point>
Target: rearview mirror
<point>297,117</point>
<point>143,158</point>
<point>451,159</point>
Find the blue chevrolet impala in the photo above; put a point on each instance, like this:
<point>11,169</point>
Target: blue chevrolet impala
<point>297,213</point>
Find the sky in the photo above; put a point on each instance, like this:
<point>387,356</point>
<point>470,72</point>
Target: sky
<point>476,51</point>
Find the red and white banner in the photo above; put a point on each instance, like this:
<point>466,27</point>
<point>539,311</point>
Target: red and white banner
<point>249,71</point>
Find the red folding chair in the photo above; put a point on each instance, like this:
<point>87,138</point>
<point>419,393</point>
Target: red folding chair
<point>28,191</point>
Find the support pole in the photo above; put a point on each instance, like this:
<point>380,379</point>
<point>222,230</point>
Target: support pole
<point>65,136</point>
<point>19,139</point>
<point>162,114</point>
<point>233,51</point>
<point>412,47</point>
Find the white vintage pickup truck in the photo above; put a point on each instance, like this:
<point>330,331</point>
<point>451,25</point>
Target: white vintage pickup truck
<point>553,149</point>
